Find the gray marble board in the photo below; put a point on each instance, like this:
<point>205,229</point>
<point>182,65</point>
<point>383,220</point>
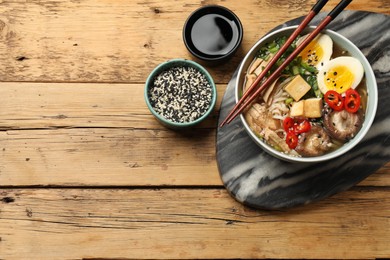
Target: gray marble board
<point>259,180</point>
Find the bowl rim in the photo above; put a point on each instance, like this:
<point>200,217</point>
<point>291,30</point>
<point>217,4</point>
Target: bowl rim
<point>169,64</point>
<point>372,100</point>
<point>225,9</point>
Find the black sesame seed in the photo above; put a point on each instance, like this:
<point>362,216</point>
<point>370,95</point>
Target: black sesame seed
<point>180,94</point>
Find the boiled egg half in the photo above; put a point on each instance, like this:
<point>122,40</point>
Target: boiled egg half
<point>340,74</point>
<point>318,51</point>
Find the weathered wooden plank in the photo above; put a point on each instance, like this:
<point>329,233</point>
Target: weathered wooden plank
<point>97,134</point>
<point>166,223</point>
<point>102,134</point>
<point>54,105</point>
<point>104,156</point>
<point>121,41</point>
<point>124,157</point>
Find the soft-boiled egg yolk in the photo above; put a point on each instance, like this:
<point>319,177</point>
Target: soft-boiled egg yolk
<point>318,51</point>
<point>340,74</point>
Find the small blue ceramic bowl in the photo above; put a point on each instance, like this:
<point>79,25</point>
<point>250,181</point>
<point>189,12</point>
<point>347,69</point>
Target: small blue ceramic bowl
<point>180,93</point>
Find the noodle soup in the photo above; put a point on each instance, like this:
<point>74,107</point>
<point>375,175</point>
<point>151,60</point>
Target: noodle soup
<point>316,107</point>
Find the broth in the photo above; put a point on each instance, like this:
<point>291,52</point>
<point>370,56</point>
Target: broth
<point>271,116</point>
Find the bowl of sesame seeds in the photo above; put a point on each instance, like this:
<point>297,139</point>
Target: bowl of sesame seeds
<point>180,93</point>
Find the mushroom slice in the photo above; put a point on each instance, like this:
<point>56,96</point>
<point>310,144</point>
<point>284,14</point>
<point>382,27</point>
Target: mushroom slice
<point>313,143</point>
<point>264,64</point>
<point>342,125</point>
<point>250,78</point>
<point>255,64</point>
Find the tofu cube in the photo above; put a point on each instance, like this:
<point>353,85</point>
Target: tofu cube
<point>312,107</point>
<point>297,109</point>
<point>297,88</point>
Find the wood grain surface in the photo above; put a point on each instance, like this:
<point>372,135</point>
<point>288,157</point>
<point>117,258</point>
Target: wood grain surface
<point>176,223</point>
<point>86,171</point>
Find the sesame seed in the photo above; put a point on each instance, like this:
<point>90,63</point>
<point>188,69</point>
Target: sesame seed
<point>180,94</point>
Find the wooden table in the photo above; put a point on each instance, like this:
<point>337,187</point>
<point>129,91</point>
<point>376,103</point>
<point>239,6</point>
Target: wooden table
<point>86,171</point>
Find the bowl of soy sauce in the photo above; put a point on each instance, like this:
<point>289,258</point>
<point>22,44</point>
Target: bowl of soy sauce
<point>212,33</point>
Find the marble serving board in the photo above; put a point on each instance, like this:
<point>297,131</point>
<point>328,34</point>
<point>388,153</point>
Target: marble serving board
<point>259,180</point>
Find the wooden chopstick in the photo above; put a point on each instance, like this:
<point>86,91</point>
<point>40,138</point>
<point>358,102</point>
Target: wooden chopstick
<point>249,97</point>
<point>313,12</point>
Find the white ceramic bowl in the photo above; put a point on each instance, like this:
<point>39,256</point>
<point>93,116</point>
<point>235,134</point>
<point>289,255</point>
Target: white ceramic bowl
<point>372,90</point>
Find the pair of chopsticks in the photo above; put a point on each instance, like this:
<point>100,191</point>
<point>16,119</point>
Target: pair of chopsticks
<point>253,91</point>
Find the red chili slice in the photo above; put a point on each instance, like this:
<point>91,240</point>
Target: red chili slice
<point>288,124</point>
<point>291,140</point>
<point>302,126</point>
<point>334,100</point>
<point>352,101</point>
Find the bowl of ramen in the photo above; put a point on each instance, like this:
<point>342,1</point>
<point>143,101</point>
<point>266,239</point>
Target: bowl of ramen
<point>322,104</point>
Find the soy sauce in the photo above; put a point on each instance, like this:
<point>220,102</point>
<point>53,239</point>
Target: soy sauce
<point>214,35</point>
